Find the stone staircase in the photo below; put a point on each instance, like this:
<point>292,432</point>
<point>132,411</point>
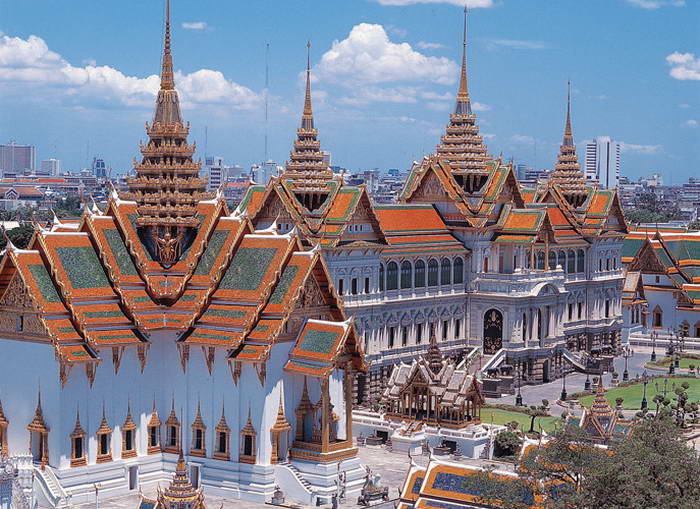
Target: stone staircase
<point>50,487</point>
<point>579,364</point>
<point>297,474</point>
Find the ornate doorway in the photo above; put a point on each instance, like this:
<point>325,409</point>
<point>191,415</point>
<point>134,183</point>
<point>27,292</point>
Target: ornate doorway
<point>493,331</point>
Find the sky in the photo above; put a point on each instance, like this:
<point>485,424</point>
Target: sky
<point>78,78</point>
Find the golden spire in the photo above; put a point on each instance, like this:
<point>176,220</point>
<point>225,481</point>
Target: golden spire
<point>567,175</point>
<point>307,118</point>
<point>568,137</point>
<point>462,146</point>
<point>463,104</point>
<point>167,81</point>
<point>306,163</point>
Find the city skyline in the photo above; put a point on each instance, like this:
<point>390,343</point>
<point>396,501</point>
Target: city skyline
<point>384,79</point>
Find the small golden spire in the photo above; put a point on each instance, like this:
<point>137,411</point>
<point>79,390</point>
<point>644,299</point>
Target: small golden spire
<point>307,119</point>
<point>167,82</point>
<point>568,137</point>
<point>463,103</point>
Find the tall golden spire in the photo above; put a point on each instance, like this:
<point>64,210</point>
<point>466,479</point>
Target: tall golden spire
<point>167,81</point>
<point>307,118</point>
<point>306,165</point>
<point>463,106</point>
<point>167,186</point>
<point>462,146</point>
<point>567,175</point>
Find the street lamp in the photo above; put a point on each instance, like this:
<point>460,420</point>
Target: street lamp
<point>654,335</point>
<point>587,385</point>
<point>563,389</point>
<point>644,396</point>
<point>626,354</point>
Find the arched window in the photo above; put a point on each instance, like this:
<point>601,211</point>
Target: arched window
<point>433,273</point>
<point>561,259</point>
<point>539,323</point>
<point>600,265</point>
<point>458,271</point>
<point>486,263</point>
<point>524,331</point>
<point>607,264</point>
<point>580,259</point>
<point>570,262</point>
<point>445,272</point>
<point>552,260</point>
<point>406,275</point>
<point>381,278</point>
<point>420,274</point>
<point>540,260</point>
<point>392,281</point>
<point>658,318</point>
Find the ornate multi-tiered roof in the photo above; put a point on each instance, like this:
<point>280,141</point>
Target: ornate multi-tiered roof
<point>181,494</point>
<point>462,146</point>
<point>167,186</point>
<point>567,173</point>
<point>306,160</point>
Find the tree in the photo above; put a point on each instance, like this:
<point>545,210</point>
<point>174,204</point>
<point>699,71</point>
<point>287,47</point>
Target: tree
<point>537,411</point>
<point>492,490</point>
<point>652,467</point>
<point>19,236</point>
<point>507,443</point>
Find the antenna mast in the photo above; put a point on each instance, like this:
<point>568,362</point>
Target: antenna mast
<point>267,85</point>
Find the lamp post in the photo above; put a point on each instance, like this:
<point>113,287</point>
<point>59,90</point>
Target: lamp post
<point>563,388</point>
<point>644,395</point>
<point>626,354</point>
<point>587,385</point>
<point>519,397</point>
<point>653,345</point>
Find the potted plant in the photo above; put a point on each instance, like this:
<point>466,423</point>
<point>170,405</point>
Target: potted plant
<point>615,377</point>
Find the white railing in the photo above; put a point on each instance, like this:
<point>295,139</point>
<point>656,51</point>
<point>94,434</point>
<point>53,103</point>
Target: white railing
<point>493,362</point>
<point>50,486</point>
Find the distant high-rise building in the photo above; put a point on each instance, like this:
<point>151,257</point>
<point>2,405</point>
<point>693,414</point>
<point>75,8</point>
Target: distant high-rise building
<point>99,169</point>
<point>50,167</point>
<point>17,158</point>
<point>216,171</point>
<point>603,162</point>
<point>264,172</point>
<point>520,170</point>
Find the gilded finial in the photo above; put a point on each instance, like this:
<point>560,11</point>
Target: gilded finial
<point>167,82</point>
<point>307,119</point>
<point>567,130</point>
<point>463,103</point>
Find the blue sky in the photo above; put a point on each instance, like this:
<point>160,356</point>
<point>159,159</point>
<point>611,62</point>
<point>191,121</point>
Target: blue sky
<point>385,76</point>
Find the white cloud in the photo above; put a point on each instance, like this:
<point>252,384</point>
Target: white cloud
<point>30,64</point>
<point>684,105</point>
<point>447,96</point>
<point>195,25</point>
<point>640,149</point>
<point>436,106</point>
<point>480,107</point>
<point>371,94</point>
<point>460,3</point>
<point>655,4</point>
<point>429,45</point>
<point>690,123</point>
<point>397,31</point>
<point>488,136</point>
<point>684,66</point>
<point>515,44</point>
<point>522,138</point>
<point>368,56</point>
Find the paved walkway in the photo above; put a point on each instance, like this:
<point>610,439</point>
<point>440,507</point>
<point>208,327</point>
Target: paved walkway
<point>534,394</point>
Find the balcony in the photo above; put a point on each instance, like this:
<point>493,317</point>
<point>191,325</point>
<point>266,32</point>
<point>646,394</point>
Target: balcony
<point>521,281</point>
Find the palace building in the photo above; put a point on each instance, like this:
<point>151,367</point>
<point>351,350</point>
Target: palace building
<point>166,327</point>
<point>661,297</point>
<point>531,276</point>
